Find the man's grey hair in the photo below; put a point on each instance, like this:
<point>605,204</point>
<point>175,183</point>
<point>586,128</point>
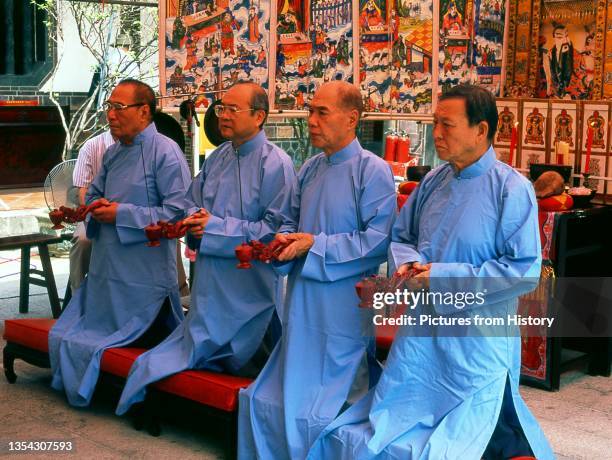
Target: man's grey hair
<point>259,98</point>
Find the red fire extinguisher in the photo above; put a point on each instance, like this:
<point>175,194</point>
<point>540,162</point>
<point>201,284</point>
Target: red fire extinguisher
<point>390,146</point>
<point>403,148</point>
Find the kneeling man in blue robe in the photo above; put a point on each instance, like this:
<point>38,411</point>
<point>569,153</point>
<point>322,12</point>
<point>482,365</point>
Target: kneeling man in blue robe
<point>454,393</point>
<point>131,290</point>
<point>343,210</point>
<point>243,188</point>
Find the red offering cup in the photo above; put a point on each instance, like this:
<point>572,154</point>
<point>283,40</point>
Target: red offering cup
<point>244,254</point>
<point>366,288</point>
<point>56,217</point>
<point>259,250</point>
<point>154,234</point>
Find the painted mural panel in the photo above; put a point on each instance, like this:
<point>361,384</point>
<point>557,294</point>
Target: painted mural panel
<point>508,112</point>
<point>564,124</point>
<point>535,115</point>
<point>596,115</point>
<point>379,50</point>
<point>209,44</point>
<point>396,55</point>
<point>455,43</point>
<point>607,61</point>
<point>414,79</point>
<point>523,42</point>
<point>567,49</point>
<point>314,45</point>
<point>488,43</point>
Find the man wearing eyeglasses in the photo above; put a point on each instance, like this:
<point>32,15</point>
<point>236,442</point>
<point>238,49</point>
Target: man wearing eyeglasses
<point>342,213</point>
<point>131,291</point>
<point>242,191</point>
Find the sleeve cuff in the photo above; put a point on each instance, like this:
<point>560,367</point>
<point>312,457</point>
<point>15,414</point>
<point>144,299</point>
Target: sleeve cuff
<point>214,226</point>
<point>215,240</point>
<point>400,254</point>
<point>312,264</point>
<point>128,234</point>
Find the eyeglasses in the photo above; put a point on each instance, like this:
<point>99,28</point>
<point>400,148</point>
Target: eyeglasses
<point>118,106</point>
<point>231,110</point>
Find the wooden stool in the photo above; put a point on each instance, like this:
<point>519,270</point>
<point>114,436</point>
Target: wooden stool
<point>25,242</point>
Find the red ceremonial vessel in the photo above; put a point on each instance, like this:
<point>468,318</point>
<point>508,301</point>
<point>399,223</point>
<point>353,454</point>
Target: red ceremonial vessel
<point>256,250</point>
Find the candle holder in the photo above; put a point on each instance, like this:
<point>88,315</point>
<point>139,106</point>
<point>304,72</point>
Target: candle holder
<point>585,179</point>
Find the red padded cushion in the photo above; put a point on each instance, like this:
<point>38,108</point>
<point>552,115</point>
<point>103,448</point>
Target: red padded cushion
<point>118,361</point>
<point>208,388</point>
<point>29,332</point>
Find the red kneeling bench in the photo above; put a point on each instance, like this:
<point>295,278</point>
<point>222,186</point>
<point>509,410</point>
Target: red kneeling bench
<point>27,339</point>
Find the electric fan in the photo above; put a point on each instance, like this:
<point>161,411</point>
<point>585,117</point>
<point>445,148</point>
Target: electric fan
<point>59,190</point>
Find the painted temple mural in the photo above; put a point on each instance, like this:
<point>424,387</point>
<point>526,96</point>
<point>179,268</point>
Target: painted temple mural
<point>209,44</point>
<point>566,52</point>
<point>488,43</point>
<point>386,47</point>
<point>559,49</point>
<point>455,30</point>
<point>471,43</point>
<point>395,55</point>
<point>314,44</point>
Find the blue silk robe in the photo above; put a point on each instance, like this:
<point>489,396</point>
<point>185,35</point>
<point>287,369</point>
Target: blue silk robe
<point>347,201</point>
<point>441,396</point>
<point>127,281</point>
<point>230,308</point>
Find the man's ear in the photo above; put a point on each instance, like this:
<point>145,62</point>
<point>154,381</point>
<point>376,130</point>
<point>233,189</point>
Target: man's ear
<point>261,116</point>
<point>353,118</point>
<point>147,112</point>
<point>483,129</point>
